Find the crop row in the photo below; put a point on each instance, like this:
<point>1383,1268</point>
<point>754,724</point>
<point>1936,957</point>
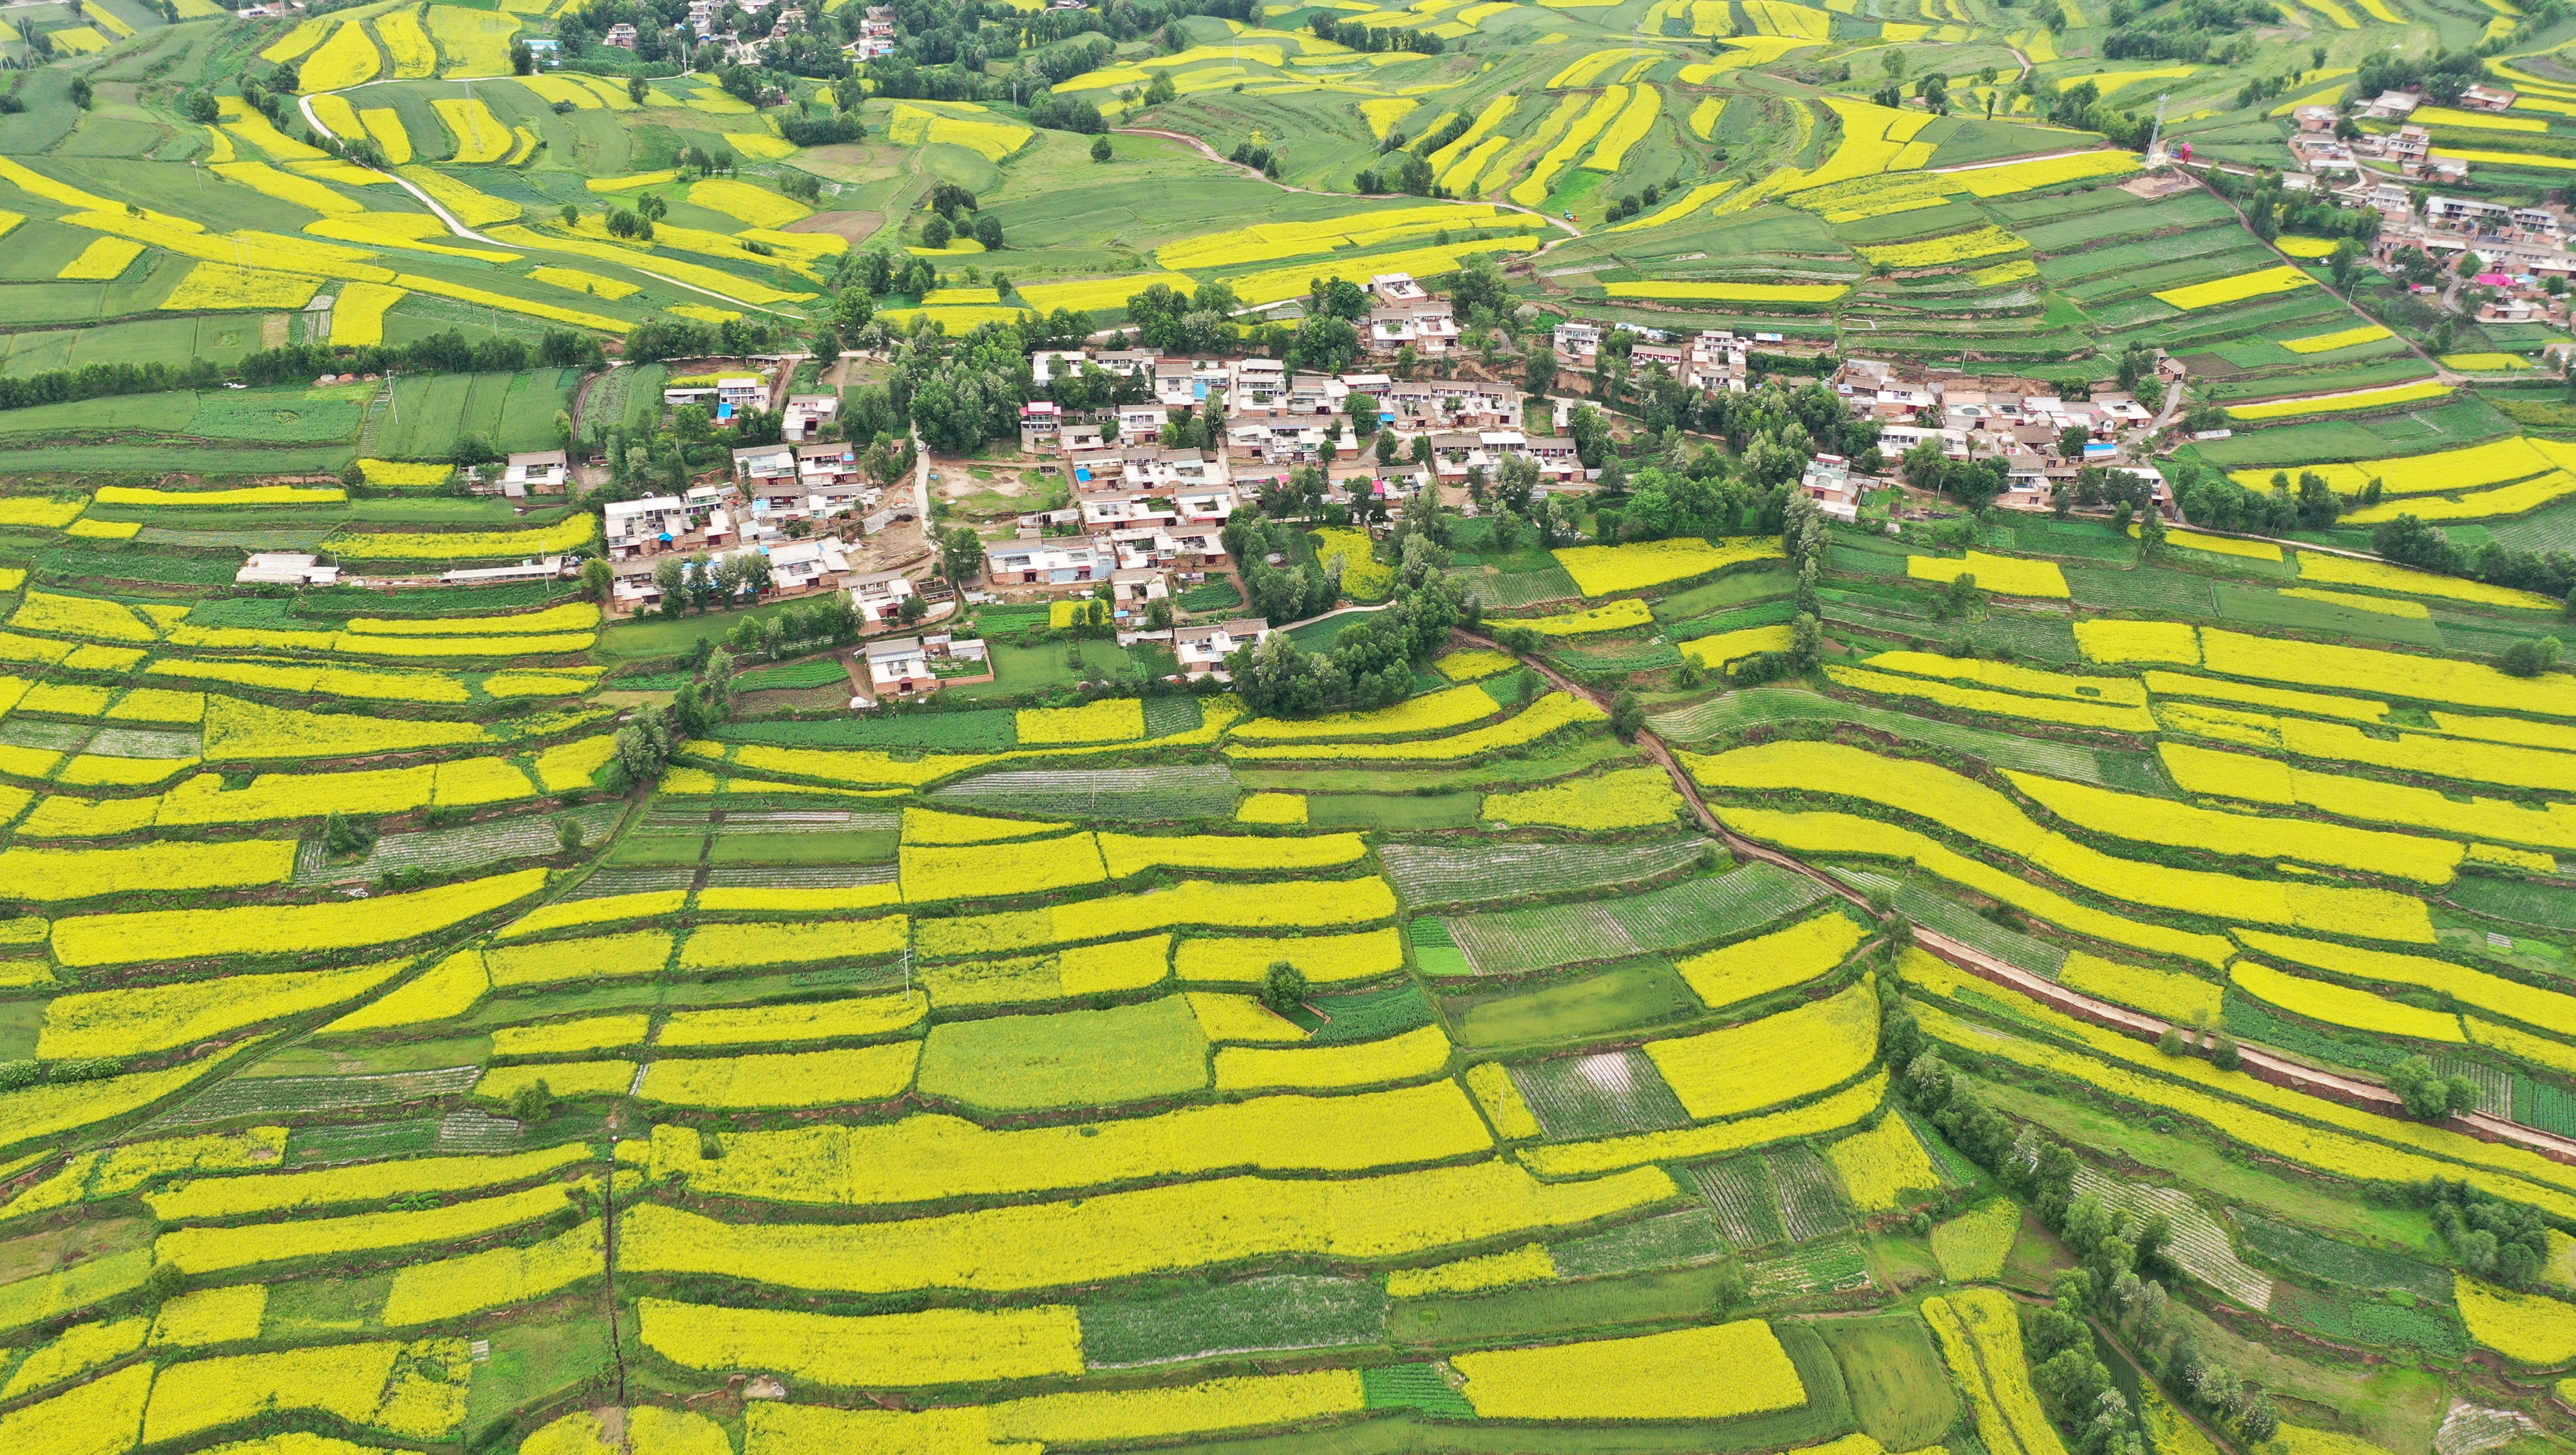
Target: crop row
<point>2331,1152</point>
<point>1120,1234</point>
<point>1982,814</point>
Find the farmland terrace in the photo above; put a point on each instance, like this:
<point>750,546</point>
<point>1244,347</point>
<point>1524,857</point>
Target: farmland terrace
<point>1601,727</point>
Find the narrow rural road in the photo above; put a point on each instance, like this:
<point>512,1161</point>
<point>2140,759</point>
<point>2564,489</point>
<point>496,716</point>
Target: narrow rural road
<point>2173,406</point>
<point>2261,1064</point>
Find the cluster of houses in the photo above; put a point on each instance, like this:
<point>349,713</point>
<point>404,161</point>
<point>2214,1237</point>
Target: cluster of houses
<point>2520,246</point>
<point>1266,419</point>
<point>1984,419</point>
<point>876,33</point>
<point>1712,360</point>
<point>876,29</point>
<point>917,666</point>
<point>799,505</point>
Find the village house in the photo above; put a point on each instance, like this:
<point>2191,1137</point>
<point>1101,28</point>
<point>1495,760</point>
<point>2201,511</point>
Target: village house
<point>1041,426</point>
<point>1134,586</point>
<point>1056,565</point>
<point>1202,650</point>
<point>879,596</point>
<point>1428,326</point>
<point>796,566</point>
<point>1829,482</point>
<point>1282,441</point>
<point>633,527</point>
<point>1397,288</point>
<point>809,415</point>
<point>1190,383</point>
<point>1142,424</point>
<point>547,471</point>
<point>919,666</point>
<point>728,396</point>
<point>1452,404</point>
<point>1256,382</point>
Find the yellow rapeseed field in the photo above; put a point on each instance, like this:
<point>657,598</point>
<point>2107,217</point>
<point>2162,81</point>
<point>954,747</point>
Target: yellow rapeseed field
<point>1529,1263</point>
<point>1112,719</point>
<point>1430,712</point>
<point>791,1079</point>
<point>451,1288</point>
<point>2238,288</point>
<point>1624,798</point>
<point>2526,1328</point>
<point>928,1157</point>
<point>1324,959</point>
<point>1604,570</point>
<point>1769,962</point>
<point>2341,1005</point>
<point>1716,1373</point>
<point>1779,1058</point>
<point>1549,714</point>
<point>2003,575</point>
<point>1131,854</point>
<point>1881,1165</point>
<point>1123,1234</point>
<point>2181,825</point>
<point>1412,1055</point>
<point>116,939</point>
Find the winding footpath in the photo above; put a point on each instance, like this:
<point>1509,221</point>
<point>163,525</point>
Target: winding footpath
<point>2261,1064</point>
<point>456,225</point>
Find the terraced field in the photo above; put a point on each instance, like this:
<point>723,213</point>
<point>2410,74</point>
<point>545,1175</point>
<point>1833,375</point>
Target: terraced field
<point>1684,976</point>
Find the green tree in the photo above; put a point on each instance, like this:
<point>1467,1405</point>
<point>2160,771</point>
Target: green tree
<point>1727,1289</point>
<point>1627,716</point>
<point>533,1102</point>
<point>165,1282</point>
<point>1283,986</point>
<point>961,554</point>
<point>1962,594</point>
<point>343,836</point>
<point>2530,657</point>
<point>1100,148</point>
<point>597,577</point>
<point>2427,1093</point>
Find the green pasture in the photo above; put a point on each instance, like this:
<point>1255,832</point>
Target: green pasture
<point>429,413</point>
<point>2462,419</point>
<point>1895,1378</point>
<point>1627,997</point>
<point>2403,368</point>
